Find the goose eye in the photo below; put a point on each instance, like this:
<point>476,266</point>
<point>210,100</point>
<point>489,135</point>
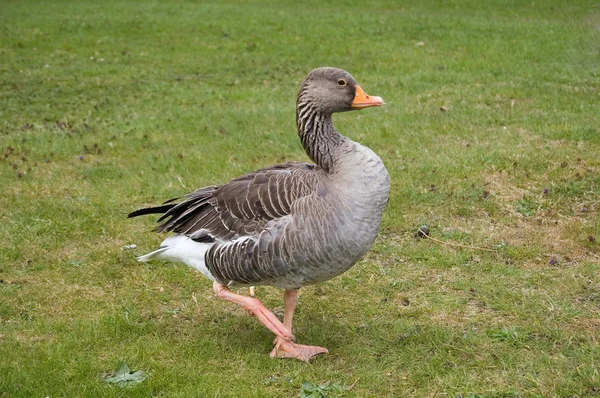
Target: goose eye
<point>341,82</point>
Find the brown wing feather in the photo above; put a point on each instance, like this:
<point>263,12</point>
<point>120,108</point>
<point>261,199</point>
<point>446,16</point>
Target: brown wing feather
<point>245,204</point>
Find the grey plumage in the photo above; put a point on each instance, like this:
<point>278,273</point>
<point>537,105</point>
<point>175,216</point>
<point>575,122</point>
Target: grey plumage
<point>292,224</point>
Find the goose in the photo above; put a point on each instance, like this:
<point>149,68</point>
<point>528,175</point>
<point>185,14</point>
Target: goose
<point>289,225</point>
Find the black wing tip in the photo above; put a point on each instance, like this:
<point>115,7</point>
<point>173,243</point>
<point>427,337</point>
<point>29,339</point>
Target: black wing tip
<point>139,212</point>
<point>151,210</point>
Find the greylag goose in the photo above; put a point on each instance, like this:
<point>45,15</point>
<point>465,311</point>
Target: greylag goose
<point>288,225</point>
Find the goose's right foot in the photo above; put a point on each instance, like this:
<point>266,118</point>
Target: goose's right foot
<point>288,349</point>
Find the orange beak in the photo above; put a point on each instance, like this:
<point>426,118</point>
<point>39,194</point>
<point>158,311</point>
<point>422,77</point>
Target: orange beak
<point>362,100</point>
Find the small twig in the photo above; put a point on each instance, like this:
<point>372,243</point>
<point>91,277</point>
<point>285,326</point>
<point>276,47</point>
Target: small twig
<point>459,245</point>
<point>563,216</point>
<point>352,385</point>
<point>181,182</point>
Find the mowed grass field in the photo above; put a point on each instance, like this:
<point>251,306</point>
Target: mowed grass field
<point>491,135</point>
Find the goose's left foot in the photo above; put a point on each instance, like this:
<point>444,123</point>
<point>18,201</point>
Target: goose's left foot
<point>256,308</point>
<point>285,348</point>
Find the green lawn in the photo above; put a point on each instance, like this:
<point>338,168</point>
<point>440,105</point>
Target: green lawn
<point>491,134</point>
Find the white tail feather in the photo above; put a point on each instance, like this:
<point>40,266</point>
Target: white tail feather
<point>152,255</point>
<point>181,249</point>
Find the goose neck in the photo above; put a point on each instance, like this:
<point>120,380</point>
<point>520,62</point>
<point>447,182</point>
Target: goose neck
<point>318,135</point>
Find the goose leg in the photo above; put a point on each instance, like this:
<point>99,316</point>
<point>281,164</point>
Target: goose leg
<point>255,307</point>
<point>286,348</point>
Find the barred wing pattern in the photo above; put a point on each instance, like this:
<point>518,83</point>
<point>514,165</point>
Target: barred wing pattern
<point>244,205</point>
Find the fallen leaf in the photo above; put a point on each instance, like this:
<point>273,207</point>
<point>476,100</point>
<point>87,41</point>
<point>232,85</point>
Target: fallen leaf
<point>124,377</point>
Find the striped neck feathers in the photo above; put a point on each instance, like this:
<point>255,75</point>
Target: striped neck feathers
<point>317,134</point>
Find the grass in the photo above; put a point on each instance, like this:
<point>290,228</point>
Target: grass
<point>490,133</point>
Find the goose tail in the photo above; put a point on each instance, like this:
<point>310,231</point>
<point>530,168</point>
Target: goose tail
<point>182,249</point>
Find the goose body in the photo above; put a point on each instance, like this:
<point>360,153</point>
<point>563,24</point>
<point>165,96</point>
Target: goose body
<point>288,225</point>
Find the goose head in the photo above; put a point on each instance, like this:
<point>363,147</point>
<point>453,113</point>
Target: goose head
<point>328,90</point>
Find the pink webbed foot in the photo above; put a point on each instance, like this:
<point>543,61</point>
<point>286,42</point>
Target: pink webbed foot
<point>285,348</point>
